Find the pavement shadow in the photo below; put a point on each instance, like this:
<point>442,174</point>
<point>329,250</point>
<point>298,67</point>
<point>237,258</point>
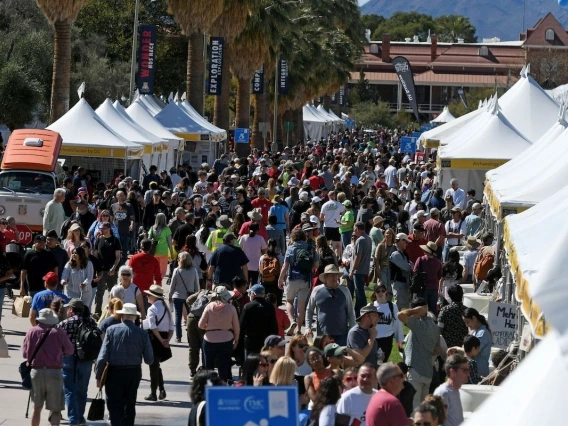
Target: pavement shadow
<point>166,403</point>
<point>12,384</point>
<point>14,333</point>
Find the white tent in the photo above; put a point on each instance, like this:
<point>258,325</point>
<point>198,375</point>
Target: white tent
<point>532,176</point>
<point>84,133</point>
<point>149,103</point>
<point>444,117</point>
<point>131,131</point>
<point>334,115</point>
<point>222,134</point>
<point>335,121</point>
<point>529,108</point>
<point>344,116</point>
<point>144,118</point>
<point>493,142</point>
<point>315,127</point>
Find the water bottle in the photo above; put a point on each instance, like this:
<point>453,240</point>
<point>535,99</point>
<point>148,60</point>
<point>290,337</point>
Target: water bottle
<point>380,356</point>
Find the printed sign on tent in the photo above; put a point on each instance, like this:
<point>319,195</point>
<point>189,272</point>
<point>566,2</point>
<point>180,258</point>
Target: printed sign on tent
<point>502,319</point>
<point>408,144</point>
<point>146,55</point>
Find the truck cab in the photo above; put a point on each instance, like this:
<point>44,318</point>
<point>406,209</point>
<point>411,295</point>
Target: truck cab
<point>28,175</point>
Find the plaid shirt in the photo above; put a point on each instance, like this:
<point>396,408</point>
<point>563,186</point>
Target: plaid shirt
<point>422,340</point>
<point>71,326</point>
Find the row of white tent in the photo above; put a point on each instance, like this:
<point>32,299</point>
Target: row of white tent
<point>147,130</point>
<point>318,122</point>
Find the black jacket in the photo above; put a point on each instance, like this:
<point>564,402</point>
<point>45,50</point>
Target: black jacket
<point>258,321</point>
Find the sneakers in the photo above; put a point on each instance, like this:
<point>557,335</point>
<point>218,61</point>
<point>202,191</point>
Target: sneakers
<point>291,329</point>
<point>151,397</point>
<point>162,394</point>
<point>178,339</point>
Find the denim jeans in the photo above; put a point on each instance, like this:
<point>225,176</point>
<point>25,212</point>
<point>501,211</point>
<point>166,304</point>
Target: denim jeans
<point>125,246</point>
<point>178,308</point>
<point>360,297</point>
<point>220,354</point>
<point>346,238</point>
<point>105,283</point>
<point>121,388</point>
<point>76,375</point>
<point>431,297</point>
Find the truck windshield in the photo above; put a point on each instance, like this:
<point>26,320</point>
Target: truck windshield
<point>26,182</point>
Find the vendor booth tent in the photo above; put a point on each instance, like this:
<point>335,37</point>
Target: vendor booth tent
<point>444,117</point>
<point>315,127</point>
<point>492,143</point>
<point>149,104</point>
<point>336,123</point>
<point>85,134</point>
<point>532,176</point>
<point>131,131</point>
<point>334,116</point>
<point>220,133</point>
<point>144,118</point>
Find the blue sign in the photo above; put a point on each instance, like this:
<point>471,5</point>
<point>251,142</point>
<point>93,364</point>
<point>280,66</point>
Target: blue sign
<point>349,123</point>
<point>242,135</point>
<point>416,134</point>
<point>252,405</point>
<point>408,145</point>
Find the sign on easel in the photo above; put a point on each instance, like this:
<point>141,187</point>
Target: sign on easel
<point>502,319</point>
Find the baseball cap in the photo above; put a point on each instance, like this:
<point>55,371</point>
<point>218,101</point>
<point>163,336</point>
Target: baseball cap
<point>334,350</point>
<point>256,289</point>
<point>402,236</point>
<point>75,303</point>
<point>274,340</point>
<point>51,278</point>
<point>39,238</point>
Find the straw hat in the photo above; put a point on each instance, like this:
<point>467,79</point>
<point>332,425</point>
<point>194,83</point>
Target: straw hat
<point>472,242</point>
<point>224,222</point>
<point>128,309</point>
<point>255,215</point>
<point>377,220</point>
<point>329,269</point>
<point>156,291</point>
<point>74,227</point>
<point>277,199</point>
<point>47,316</point>
<point>430,247</point>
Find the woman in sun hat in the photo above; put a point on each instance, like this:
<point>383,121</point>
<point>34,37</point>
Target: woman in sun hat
<point>161,328</point>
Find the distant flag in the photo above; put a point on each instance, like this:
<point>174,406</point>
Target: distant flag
<point>81,90</point>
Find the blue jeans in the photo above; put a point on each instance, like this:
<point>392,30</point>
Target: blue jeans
<point>121,388</point>
<point>346,238</point>
<point>125,246</point>
<point>349,281</point>
<point>431,297</point>
<point>76,375</point>
<point>178,308</point>
<point>219,353</point>
<point>360,297</point>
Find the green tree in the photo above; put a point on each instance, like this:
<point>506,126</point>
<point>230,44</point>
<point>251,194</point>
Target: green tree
<point>450,28</point>
<point>406,24</point>
<point>372,21</point>
<point>370,114</point>
<point>19,96</point>
<point>362,91</point>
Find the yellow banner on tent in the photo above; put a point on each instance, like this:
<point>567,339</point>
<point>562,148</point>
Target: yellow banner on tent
<point>529,308</point>
<point>85,151</point>
<point>193,136</point>
<point>470,164</point>
<point>153,149</point>
<point>430,143</point>
<point>500,210</point>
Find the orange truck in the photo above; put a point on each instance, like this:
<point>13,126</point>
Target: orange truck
<point>28,175</point>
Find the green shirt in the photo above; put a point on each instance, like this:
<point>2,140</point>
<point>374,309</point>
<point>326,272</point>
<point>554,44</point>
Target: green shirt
<point>162,248</point>
<point>377,236</point>
<point>347,221</point>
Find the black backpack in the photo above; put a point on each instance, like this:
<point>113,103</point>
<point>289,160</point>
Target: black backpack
<point>200,303</point>
<point>303,260</point>
<point>89,342</point>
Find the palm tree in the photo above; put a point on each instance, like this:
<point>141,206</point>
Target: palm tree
<point>195,18</point>
<point>453,27</point>
<point>61,13</point>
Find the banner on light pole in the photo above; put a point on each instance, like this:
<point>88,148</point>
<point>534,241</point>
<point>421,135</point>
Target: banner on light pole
<point>146,56</point>
<point>215,79</point>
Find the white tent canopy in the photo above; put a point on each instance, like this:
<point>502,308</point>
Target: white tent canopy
<point>336,123</point>
<point>175,119</point>
<point>201,120</point>
<point>444,117</point>
<point>149,104</point>
<point>315,126</point>
<point>533,175</point>
<point>334,115</point>
<point>491,143</point>
<point>84,133</point>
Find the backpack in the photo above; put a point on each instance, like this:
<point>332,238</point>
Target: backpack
<point>235,301</point>
<point>200,303</point>
<point>89,342</point>
<point>327,259</point>
<point>269,269</point>
<point>483,265</point>
<point>303,260</point>
<point>426,196</point>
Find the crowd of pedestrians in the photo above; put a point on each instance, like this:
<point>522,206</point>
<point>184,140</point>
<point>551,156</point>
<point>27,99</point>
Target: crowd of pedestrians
<point>302,268</point>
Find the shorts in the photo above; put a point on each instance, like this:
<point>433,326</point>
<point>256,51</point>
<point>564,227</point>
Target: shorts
<point>299,288</point>
<point>332,234</point>
<point>47,387</point>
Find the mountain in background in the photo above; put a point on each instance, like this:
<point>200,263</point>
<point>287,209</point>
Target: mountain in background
<point>492,18</point>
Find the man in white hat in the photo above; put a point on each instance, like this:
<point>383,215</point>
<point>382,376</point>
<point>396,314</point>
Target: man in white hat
<point>400,270</point>
<point>44,347</point>
<point>124,347</point>
<point>334,305</point>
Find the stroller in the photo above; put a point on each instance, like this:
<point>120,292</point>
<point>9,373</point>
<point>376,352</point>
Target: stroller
<point>14,255</point>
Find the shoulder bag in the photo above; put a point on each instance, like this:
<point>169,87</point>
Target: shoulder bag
<point>26,366</point>
<point>97,408</point>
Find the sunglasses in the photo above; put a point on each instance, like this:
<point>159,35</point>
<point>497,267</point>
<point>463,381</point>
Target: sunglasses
<point>350,379</point>
<point>272,360</point>
<point>422,424</point>
<point>302,345</point>
<point>125,275</point>
<point>105,215</point>
<point>380,291</point>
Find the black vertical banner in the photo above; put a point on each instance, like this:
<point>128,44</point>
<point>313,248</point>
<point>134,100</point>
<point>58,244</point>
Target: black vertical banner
<point>404,73</point>
<point>461,94</point>
<point>334,99</point>
<point>342,96</point>
<point>258,82</point>
<point>146,55</point>
<point>283,78</point>
<point>215,66</point>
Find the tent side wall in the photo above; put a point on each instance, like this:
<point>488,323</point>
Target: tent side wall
<point>475,179</point>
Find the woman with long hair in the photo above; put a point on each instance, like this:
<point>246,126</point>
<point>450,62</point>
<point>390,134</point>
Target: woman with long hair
<point>185,282</point>
<point>114,304</point>
<point>323,411</point>
<point>77,276</point>
<point>132,198</point>
<point>238,221</point>
<point>184,187</point>
<point>161,329</point>
<point>297,351</point>
<point>197,395</point>
<point>254,247</point>
<point>75,237</point>
<point>198,258</point>
<point>283,372</point>
<point>271,188</point>
<point>318,364</point>
<point>202,235</point>
<point>440,405</point>
<point>452,273</point>
<point>162,234</point>
<point>269,267</point>
<point>479,327</point>
<point>382,255</point>
<point>254,371</point>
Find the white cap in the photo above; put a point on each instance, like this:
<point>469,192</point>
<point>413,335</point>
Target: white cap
<point>306,182</point>
<point>402,236</point>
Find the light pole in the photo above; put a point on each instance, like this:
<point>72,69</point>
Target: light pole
<point>134,46</point>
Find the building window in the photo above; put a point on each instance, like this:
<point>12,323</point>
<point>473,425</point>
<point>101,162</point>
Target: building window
<point>549,35</point>
<point>484,51</point>
<point>374,49</point>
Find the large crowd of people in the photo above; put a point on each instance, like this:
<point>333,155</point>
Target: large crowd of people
<point>305,267</point>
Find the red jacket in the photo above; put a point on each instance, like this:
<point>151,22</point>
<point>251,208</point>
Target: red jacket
<point>413,249</point>
<point>146,270</point>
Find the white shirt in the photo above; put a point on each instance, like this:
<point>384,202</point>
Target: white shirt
<point>391,175</point>
<point>389,324</point>
<point>156,313</point>
<point>455,228</point>
<point>332,211</point>
<point>410,207</point>
<point>354,402</point>
<point>458,196</point>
